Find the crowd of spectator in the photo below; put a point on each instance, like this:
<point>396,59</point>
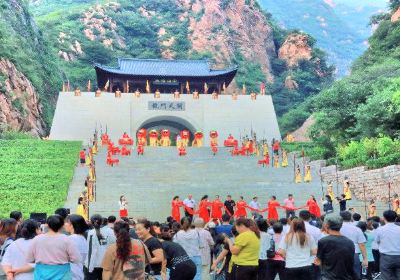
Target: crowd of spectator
<point>334,247</point>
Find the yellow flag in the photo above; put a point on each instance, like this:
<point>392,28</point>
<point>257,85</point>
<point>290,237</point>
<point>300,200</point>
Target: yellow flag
<point>205,88</point>
<point>107,85</point>
<point>244,89</point>
<point>127,86</point>
<point>89,87</point>
<point>187,87</point>
<point>147,86</point>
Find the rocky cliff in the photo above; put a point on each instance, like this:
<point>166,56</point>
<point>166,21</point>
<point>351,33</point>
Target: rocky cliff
<point>19,103</point>
<point>28,73</point>
<point>225,28</point>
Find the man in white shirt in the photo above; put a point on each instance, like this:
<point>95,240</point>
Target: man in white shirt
<point>256,205</point>
<point>356,235</point>
<point>388,239</point>
<point>189,202</point>
<point>316,235</point>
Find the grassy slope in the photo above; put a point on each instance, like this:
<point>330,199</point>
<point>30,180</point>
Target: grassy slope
<point>35,174</point>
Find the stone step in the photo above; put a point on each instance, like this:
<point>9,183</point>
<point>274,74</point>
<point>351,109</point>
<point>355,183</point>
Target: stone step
<point>150,182</point>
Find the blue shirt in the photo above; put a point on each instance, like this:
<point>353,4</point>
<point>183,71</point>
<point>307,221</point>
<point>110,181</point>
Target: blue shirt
<point>227,229</point>
<point>368,246</point>
<point>388,239</point>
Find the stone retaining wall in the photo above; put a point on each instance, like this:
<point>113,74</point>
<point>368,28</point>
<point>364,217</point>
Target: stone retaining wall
<point>376,181</point>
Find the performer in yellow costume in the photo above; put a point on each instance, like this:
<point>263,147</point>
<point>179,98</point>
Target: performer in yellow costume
<point>94,148</point>
<point>297,178</point>
<point>81,209</point>
<point>285,162</point>
<point>346,190</point>
<point>153,138</point>
<point>198,139</point>
<point>185,135</point>
<point>165,141</point>
<point>330,191</point>
<point>276,161</point>
<point>307,175</point>
<point>265,149</point>
<point>88,159</point>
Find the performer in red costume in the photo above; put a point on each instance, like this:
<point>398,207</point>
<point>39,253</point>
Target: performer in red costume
<point>216,206</point>
<point>176,213</point>
<point>125,151</point>
<point>272,212</point>
<point>214,141</point>
<point>182,150</point>
<point>125,140</point>
<point>313,207</point>
<point>140,147</point>
<point>104,139</point>
<point>241,208</point>
<point>203,209</point>
<point>250,151</point>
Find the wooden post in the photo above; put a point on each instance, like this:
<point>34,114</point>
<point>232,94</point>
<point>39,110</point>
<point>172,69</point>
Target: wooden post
<point>294,166</point>
<point>365,203</point>
<point>182,86</point>
<point>111,85</point>
<point>337,177</point>
<point>125,87</point>
<point>390,199</point>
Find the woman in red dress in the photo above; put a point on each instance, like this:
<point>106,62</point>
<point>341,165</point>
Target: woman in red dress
<point>313,207</point>
<point>272,212</point>
<point>216,206</point>
<point>241,208</point>
<point>203,209</point>
<point>176,213</point>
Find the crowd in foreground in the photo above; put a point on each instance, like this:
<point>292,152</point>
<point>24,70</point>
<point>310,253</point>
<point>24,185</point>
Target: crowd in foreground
<point>301,247</point>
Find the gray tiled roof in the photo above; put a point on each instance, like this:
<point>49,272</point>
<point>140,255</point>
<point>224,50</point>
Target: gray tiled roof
<point>163,67</point>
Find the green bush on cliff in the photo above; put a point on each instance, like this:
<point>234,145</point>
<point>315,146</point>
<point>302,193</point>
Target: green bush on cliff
<point>372,152</point>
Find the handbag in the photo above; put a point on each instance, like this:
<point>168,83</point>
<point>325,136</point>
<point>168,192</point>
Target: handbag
<point>131,274</point>
<point>271,253</point>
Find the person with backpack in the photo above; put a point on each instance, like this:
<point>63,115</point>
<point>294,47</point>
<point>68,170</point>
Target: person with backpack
<point>98,240</point>
<point>275,262</point>
<point>266,242</point>
<point>127,259</point>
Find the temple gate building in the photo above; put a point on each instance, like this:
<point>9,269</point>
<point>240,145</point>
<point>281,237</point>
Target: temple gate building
<point>163,94</point>
<point>166,76</point>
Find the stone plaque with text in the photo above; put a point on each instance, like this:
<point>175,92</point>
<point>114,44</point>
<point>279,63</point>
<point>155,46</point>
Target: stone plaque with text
<point>167,105</point>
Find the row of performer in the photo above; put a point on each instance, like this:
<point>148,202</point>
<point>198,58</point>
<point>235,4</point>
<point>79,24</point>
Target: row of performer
<point>209,210</point>
<point>154,138</point>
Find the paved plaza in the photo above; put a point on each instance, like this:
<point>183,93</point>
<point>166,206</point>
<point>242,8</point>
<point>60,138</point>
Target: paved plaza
<point>149,182</point>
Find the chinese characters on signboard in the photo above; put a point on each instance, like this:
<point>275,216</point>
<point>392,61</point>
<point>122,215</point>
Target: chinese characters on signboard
<point>167,105</point>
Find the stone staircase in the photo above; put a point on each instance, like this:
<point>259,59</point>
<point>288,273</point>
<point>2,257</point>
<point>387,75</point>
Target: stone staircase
<point>149,182</point>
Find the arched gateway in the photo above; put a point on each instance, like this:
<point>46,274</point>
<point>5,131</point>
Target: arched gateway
<point>174,124</point>
<point>76,116</point>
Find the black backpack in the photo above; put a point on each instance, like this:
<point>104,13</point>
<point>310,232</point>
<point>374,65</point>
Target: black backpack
<point>271,251</point>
